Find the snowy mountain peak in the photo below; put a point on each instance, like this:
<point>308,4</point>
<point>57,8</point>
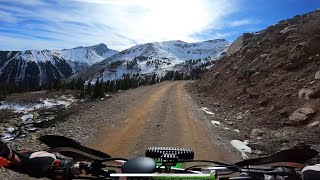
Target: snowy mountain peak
<point>87,55</point>
<point>32,68</point>
<point>103,50</point>
<point>100,45</point>
<point>174,50</point>
<point>156,57</point>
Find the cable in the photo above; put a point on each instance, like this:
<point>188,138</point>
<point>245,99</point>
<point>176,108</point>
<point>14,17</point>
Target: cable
<point>113,166</point>
<point>188,168</point>
<point>112,159</point>
<point>214,162</point>
<point>231,168</point>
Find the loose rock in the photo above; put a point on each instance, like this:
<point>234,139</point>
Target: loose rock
<point>217,74</point>
<point>305,93</point>
<point>301,115</point>
<point>255,133</point>
<point>317,75</point>
<point>314,124</point>
<point>258,76</point>
<point>239,117</point>
<point>291,66</point>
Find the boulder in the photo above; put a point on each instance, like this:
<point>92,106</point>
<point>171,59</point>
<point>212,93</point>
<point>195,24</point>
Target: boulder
<point>239,117</point>
<point>2,129</point>
<point>312,82</point>
<point>301,115</point>
<point>291,66</point>
<point>317,75</point>
<point>312,46</point>
<point>258,76</point>
<point>244,73</point>
<point>35,115</point>
<point>258,152</point>
<point>287,29</point>
<point>314,124</point>
<point>315,93</point>
<point>263,56</point>
<point>265,102</point>
<point>251,53</point>
<point>217,75</point>
<point>305,93</point>
<point>256,133</point>
<point>15,122</point>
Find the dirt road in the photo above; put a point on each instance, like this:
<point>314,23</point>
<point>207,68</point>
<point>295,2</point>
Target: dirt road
<point>164,116</point>
<point>125,125</point>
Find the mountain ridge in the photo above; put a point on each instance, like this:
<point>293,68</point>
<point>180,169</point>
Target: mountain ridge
<point>155,57</point>
<point>33,68</point>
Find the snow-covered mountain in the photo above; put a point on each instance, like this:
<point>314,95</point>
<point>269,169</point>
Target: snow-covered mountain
<point>32,68</point>
<point>157,57</point>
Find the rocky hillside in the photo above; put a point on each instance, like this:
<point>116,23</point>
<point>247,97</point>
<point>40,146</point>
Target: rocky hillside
<point>271,79</point>
<point>157,57</point>
<point>32,68</point>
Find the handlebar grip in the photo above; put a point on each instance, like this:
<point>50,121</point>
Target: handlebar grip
<point>61,170</point>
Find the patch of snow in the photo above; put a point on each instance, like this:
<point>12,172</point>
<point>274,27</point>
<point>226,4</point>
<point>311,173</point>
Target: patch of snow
<point>242,147</point>
<point>27,117</point>
<point>30,128</point>
<point>10,129</point>
<point>215,123</point>
<point>206,110</point>
<point>7,137</point>
<point>44,104</point>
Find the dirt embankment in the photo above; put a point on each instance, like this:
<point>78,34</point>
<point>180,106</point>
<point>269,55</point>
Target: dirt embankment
<point>269,82</point>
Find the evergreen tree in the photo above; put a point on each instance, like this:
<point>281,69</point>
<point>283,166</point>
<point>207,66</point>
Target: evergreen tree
<point>98,90</point>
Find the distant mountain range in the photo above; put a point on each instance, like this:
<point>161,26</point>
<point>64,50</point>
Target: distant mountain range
<point>33,68</point>
<point>158,57</point>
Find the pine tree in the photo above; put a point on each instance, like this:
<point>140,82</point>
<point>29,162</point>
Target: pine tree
<point>98,90</point>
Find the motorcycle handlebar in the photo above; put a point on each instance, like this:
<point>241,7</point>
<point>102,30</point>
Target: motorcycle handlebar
<point>66,170</point>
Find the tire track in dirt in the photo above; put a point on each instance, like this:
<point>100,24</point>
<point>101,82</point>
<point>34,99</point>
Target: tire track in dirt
<point>120,140</point>
<point>194,132</point>
<point>174,123</point>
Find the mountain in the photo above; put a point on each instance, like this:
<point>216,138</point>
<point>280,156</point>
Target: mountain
<point>157,57</point>
<point>33,68</point>
<point>270,81</point>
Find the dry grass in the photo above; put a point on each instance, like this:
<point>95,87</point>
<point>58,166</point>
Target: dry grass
<point>33,97</point>
<point>5,115</point>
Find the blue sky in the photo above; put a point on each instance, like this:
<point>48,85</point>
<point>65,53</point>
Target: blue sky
<point>59,24</point>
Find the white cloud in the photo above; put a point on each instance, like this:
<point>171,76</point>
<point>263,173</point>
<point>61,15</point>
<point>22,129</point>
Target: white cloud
<point>224,35</point>
<point>242,22</point>
<point>7,17</point>
<point>118,23</point>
